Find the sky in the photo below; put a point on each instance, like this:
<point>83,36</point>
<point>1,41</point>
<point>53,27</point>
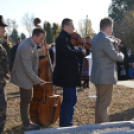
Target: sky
<point>55,11</point>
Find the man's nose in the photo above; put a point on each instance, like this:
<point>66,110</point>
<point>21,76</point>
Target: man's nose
<point>42,42</point>
<point>4,30</point>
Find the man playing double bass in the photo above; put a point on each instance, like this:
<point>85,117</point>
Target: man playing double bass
<point>24,72</point>
<point>67,72</point>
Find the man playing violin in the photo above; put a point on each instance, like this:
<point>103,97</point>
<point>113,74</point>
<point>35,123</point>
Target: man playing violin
<point>67,71</point>
<point>104,72</point>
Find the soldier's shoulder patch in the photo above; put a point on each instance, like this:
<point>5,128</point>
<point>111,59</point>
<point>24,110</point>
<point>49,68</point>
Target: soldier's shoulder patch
<point>1,46</point>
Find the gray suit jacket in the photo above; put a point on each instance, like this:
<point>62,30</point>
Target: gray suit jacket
<point>25,67</point>
<point>104,70</point>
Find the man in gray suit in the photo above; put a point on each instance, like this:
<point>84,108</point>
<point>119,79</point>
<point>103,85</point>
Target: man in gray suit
<point>24,72</point>
<point>104,71</point>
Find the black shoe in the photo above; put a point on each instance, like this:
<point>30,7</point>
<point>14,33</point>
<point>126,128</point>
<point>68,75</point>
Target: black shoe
<point>31,127</point>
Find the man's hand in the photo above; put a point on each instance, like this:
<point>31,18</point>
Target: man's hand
<point>119,41</point>
<point>42,83</point>
<point>47,47</point>
<point>84,51</point>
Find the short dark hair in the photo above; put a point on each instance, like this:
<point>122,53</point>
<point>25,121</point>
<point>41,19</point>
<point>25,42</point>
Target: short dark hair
<point>37,31</point>
<point>129,49</point>
<point>66,21</point>
<point>88,37</point>
<point>16,41</point>
<point>105,22</point>
<point>122,43</point>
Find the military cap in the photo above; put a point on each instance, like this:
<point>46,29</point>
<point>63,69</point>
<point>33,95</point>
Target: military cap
<point>2,23</point>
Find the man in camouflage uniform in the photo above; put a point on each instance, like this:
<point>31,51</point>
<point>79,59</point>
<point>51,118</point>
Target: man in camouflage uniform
<point>3,73</point>
<point>8,47</point>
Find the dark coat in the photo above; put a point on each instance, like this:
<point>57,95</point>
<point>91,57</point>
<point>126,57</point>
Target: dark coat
<point>129,59</point>
<point>51,54</point>
<point>15,47</point>
<point>67,70</point>
<point>124,51</point>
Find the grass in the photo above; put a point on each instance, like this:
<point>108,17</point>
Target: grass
<point>121,107</point>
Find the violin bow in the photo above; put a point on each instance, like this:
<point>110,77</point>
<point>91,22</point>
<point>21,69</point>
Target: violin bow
<point>85,31</point>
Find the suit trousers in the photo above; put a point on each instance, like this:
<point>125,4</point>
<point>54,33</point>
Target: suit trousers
<point>104,96</point>
<point>68,106</point>
<point>25,97</point>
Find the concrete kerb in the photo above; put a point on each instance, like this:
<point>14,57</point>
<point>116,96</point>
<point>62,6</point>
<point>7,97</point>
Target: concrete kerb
<point>90,127</point>
<point>126,83</point>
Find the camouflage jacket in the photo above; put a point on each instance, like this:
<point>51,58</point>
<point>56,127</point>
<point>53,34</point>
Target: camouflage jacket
<point>8,48</point>
<point>3,64</point>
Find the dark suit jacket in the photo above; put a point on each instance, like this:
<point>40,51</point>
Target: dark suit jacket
<point>51,54</point>
<point>129,59</point>
<point>15,47</point>
<point>67,70</point>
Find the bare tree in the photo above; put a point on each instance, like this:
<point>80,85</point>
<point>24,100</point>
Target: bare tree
<point>27,21</point>
<point>85,26</point>
<point>11,25</point>
<point>81,28</point>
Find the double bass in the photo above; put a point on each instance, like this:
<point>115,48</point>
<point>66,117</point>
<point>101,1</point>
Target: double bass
<point>45,104</point>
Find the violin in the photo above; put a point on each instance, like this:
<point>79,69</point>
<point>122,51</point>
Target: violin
<point>113,39</point>
<point>77,40</point>
<point>115,42</point>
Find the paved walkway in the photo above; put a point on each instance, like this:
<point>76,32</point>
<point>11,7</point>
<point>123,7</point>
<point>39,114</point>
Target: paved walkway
<point>127,83</point>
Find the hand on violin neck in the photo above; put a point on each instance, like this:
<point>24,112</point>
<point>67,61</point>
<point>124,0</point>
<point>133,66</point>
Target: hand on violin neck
<point>47,47</point>
<point>84,51</point>
<point>119,41</point>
